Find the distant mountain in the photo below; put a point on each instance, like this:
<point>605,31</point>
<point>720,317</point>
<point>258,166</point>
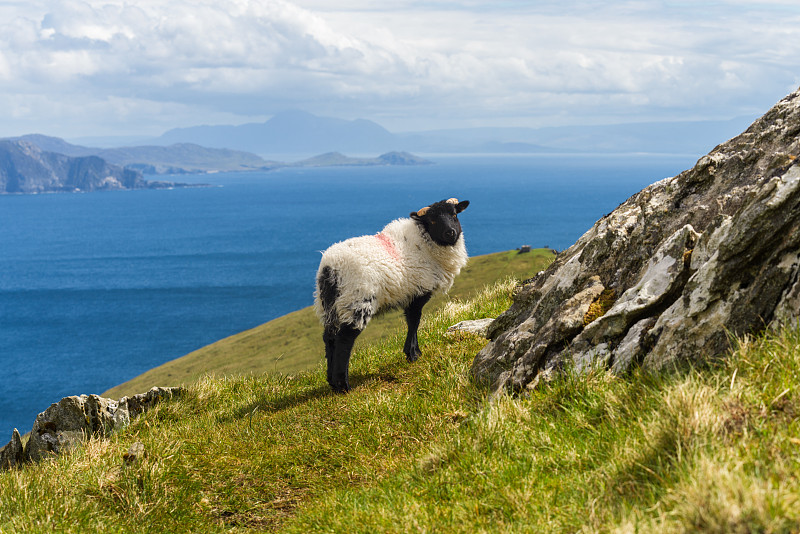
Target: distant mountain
<point>291,132</point>
<point>680,137</point>
<point>336,159</point>
<point>297,132</point>
<point>26,168</point>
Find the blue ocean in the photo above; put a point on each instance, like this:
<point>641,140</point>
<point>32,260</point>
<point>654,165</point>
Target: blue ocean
<point>97,288</point>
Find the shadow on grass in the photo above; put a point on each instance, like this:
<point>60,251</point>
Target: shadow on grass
<point>296,398</point>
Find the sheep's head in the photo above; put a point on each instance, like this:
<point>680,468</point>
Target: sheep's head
<point>440,220</point>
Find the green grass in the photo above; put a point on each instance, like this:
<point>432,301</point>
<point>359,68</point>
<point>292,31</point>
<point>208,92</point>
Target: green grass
<point>293,343</point>
<point>421,448</point>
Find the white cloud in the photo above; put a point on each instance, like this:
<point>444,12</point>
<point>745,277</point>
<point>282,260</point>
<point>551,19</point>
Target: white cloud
<point>161,63</point>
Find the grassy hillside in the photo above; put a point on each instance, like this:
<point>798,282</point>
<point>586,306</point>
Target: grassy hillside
<point>420,448</point>
<point>293,342</point>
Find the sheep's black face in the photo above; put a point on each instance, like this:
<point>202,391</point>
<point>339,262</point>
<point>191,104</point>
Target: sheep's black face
<point>440,220</point>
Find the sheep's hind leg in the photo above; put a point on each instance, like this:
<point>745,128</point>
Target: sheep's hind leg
<point>329,337</point>
<point>328,291</point>
<point>413,316</point>
<point>339,363</point>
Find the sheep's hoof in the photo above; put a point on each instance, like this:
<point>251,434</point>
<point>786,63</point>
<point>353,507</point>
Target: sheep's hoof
<point>413,356</point>
<point>340,388</point>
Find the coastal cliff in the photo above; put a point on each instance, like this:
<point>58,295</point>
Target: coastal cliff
<point>673,273</point>
<point>26,168</point>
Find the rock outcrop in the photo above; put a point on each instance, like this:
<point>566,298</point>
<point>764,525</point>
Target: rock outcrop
<point>673,272</point>
<point>68,422</point>
<point>12,454</point>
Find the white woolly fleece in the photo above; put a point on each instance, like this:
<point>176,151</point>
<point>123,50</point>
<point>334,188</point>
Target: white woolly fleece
<point>377,272</point>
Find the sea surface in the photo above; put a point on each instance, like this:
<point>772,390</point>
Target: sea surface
<point>97,288</point>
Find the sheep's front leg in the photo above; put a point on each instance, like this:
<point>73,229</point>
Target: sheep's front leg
<point>413,315</point>
<point>339,362</point>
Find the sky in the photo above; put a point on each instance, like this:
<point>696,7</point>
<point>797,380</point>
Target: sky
<point>81,68</point>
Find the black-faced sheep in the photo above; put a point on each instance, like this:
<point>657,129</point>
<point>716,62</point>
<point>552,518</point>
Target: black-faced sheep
<point>400,267</point>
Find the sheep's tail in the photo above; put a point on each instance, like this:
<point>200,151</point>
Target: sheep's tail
<point>327,292</point>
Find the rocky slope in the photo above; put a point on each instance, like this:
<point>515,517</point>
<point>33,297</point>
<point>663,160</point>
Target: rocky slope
<point>26,168</point>
<point>673,272</point>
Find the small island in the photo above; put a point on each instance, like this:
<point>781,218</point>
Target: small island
<point>336,159</point>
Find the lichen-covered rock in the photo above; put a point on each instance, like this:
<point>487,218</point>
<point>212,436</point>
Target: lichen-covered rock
<point>693,259</point>
<point>142,402</point>
<point>478,327</point>
<point>71,420</point>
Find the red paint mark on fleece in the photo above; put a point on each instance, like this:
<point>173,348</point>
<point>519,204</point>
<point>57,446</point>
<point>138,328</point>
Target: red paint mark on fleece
<point>388,244</point>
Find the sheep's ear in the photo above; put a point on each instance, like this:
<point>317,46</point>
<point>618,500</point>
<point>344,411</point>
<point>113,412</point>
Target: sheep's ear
<point>461,206</point>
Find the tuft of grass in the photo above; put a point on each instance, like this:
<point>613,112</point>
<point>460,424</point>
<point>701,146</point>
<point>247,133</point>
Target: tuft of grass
<point>420,447</point>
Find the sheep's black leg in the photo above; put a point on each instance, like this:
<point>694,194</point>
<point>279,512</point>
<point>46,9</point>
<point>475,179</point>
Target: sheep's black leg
<point>413,315</point>
<point>329,337</point>
<point>339,363</point>
<point>328,288</point>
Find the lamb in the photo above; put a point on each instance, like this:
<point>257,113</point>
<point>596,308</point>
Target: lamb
<point>400,267</point>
